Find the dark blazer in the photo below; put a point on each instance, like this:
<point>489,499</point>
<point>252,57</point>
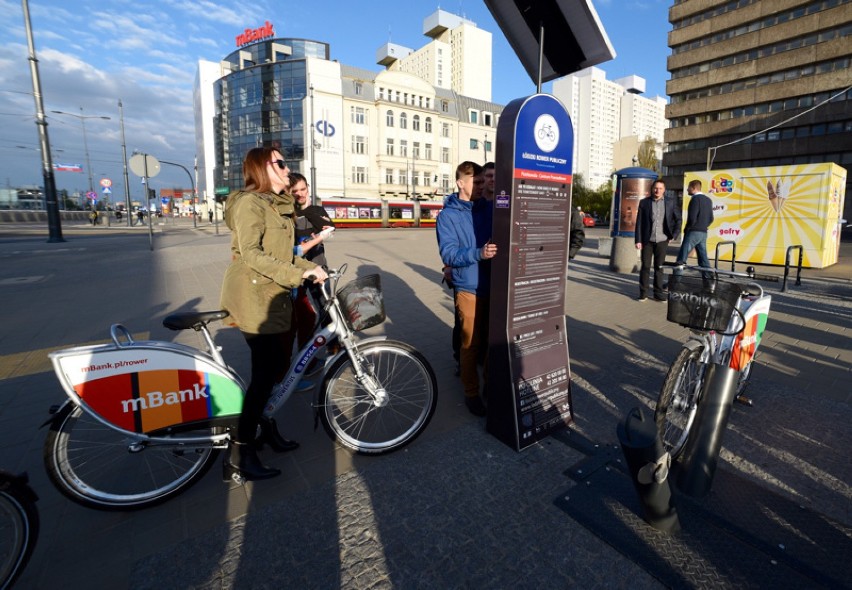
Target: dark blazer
<point>671,222</point>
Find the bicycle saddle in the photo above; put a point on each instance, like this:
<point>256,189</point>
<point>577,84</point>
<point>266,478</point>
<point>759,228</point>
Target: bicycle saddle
<point>192,319</point>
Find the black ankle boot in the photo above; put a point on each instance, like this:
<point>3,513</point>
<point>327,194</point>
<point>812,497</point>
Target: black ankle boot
<point>244,463</point>
<point>269,435</point>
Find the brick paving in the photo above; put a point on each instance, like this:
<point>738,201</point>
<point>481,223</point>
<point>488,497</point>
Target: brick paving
<point>457,508</point>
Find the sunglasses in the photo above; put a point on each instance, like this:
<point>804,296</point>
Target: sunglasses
<point>281,163</point>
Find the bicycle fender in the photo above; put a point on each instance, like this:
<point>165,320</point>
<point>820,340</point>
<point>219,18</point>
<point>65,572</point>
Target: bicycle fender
<point>54,413</point>
<point>693,344</point>
<point>342,350</point>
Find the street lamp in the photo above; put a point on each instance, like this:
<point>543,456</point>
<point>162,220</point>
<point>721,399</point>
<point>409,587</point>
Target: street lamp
<point>83,118</point>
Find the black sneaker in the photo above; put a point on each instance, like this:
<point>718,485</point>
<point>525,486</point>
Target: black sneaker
<point>475,405</point>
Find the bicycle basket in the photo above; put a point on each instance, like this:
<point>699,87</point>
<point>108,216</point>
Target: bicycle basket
<point>362,302</point>
<point>702,304</point>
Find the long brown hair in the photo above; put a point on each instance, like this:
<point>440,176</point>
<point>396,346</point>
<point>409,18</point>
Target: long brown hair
<point>254,169</point>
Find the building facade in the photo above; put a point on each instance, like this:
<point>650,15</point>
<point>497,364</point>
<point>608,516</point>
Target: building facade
<point>758,84</point>
<point>605,112</point>
<point>353,132</point>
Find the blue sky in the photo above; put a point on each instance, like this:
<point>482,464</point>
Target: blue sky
<point>94,52</point>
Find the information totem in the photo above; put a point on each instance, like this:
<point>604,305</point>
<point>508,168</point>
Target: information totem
<point>528,377</point>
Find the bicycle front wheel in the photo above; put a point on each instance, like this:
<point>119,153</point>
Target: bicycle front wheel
<point>18,529</point>
<point>99,467</point>
<point>678,399</point>
<point>352,417</point>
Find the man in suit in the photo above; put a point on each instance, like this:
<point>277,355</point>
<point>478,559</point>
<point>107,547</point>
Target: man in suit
<point>657,222</point>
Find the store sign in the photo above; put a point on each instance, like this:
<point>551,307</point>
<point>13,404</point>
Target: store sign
<point>252,35</point>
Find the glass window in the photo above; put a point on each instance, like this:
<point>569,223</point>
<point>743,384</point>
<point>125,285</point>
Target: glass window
<point>389,147</point>
<point>473,117</point>
<point>403,121</point>
<point>415,150</point>
<point>359,145</point>
<point>474,144</point>
<point>445,155</point>
<point>415,123</point>
<point>428,125</point>
<point>445,130</point>
<point>403,148</point>
<point>389,119</point>
<point>427,151</point>
<point>388,175</point>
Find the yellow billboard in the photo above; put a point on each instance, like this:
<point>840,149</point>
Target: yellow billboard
<point>765,210</point>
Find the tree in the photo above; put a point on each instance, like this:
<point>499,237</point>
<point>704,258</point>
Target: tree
<point>648,155</point>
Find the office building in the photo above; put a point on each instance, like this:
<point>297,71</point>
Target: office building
<point>758,84</point>
<point>605,114</point>
<point>359,134</point>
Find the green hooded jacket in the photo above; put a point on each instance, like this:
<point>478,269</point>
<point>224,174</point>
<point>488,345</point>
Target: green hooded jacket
<point>263,270</point>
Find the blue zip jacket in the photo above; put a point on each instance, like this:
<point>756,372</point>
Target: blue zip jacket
<point>457,243</point>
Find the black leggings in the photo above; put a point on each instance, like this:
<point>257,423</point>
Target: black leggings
<point>270,360</point>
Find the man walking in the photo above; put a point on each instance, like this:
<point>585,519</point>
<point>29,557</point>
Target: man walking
<point>699,216</point>
<point>657,222</point>
<point>462,250</point>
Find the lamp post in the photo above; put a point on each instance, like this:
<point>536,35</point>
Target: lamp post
<point>313,145</point>
<point>83,118</point>
<point>54,223</point>
<point>127,206</point>
<point>485,149</point>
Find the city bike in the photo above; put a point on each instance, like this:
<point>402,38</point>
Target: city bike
<point>144,420</point>
<point>18,526</point>
<point>726,321</point>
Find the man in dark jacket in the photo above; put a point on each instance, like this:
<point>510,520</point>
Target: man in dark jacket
<point>657,222</point>
<point>699,216</point>
<point>577,234</point>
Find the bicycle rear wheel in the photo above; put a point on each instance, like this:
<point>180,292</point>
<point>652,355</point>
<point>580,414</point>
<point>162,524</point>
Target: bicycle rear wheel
<point>678,399</point>
<point>349,414</point>
<point>19,526</point>
<point>99,467</point>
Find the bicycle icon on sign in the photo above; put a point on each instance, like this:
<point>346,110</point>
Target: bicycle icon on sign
<point>546,132</point>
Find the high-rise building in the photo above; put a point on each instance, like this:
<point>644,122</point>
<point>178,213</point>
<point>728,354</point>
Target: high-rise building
<point>758,84</point>
<point>458,58</point>
<point>604,112</point>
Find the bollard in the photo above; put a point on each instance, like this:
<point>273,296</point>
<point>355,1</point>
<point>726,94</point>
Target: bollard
<point>648,464</point>
<point>701,451</point>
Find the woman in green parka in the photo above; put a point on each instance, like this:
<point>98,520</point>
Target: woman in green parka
<point>256,294</point>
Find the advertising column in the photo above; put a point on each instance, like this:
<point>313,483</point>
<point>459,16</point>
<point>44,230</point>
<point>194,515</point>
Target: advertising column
<point>528,375</point>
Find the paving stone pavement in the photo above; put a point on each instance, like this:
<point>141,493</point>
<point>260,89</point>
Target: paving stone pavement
<point>456,509</point>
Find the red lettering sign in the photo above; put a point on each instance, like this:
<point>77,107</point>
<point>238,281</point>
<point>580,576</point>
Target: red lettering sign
<point>251,35</point>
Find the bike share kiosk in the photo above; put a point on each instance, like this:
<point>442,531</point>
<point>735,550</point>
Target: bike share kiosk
<point>528,376</point>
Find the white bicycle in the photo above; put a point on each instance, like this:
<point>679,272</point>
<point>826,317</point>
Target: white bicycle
<point>726,322</point>
<point>144,420</point>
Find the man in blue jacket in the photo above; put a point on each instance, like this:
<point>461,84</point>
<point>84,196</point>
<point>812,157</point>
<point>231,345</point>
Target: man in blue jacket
<point>462,249</point>
<point>657,222</point>
<point>699,216</point>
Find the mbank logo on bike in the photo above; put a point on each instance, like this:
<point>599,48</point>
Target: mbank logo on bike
<point>155,399</point>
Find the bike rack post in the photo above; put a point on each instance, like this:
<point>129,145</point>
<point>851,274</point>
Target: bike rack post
<point>787,266</point>
<point>701,451</point>
<point>648,464</point>
<point>733,254</point>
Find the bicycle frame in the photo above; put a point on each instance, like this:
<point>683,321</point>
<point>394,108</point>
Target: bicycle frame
<point>337,328</point>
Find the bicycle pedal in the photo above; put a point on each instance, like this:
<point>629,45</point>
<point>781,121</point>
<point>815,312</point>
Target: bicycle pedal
<point>238,479</point>
<point>746,401</point>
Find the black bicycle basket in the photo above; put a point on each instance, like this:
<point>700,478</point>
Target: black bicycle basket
<point>702,304</point>
<point>362,302</point>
